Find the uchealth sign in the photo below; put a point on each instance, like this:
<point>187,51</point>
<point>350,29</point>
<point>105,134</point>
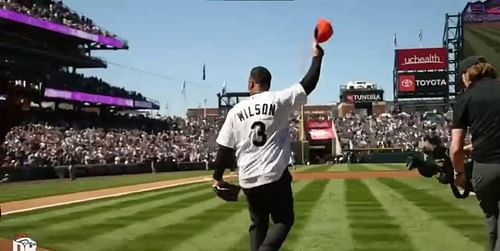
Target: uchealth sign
<point>421,59</point>
<point>422,84</point>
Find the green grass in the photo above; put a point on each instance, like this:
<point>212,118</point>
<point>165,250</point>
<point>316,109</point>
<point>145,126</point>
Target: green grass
<point>376,167</point>
<point>34,189</point>
<point>482,41</point>
<point>414,214</point>
<point>352,167</point>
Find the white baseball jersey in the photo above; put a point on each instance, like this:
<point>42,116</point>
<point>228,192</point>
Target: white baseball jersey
<point>258,130</point>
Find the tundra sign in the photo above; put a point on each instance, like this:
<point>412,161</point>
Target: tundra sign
<point>363,96</point>
<point>422,59</point>
<point>422,84</point>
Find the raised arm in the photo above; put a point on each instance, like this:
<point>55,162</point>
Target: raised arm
<point>311,78</point>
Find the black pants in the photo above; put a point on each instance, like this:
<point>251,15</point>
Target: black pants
<point>275,200</point>
<point>486,183</point>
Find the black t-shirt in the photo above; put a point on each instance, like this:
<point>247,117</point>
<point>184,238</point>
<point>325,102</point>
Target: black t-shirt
<point>479,109</point>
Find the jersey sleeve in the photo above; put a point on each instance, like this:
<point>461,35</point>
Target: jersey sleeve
<point>226,135</point>
<point>294,96</point>
<point>460,114</point>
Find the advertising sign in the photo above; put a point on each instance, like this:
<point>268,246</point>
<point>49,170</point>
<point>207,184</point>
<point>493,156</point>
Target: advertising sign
<point>422,84</point>
<point>422,59</point>
<point>358,97</point>
<point>87,97</point>
<point>319,130</point>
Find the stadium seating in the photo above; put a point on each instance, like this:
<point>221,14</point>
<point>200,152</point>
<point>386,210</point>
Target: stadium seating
<point>54,11</point>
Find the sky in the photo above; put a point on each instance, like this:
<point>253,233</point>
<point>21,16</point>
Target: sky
<point>174,38</point>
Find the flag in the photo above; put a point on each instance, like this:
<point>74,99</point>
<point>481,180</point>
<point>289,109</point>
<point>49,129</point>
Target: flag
<point>420,35</point>
<point>395,41</point>
<point>183,90</point>
<point>204,72</point>
<point>224,87</point>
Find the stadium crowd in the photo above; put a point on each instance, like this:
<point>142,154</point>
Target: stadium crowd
<point>62,143</point>
<point>76,138</point>
<point>393,130</point>
<point>78,82</point>
<point>54,11</point>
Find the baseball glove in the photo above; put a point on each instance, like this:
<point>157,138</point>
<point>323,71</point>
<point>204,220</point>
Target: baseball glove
<point>227,192</point>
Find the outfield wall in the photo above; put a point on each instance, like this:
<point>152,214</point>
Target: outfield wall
<point>39,173</point>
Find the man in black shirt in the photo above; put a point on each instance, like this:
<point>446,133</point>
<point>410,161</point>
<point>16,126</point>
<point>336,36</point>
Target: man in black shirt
<point>478,109</point>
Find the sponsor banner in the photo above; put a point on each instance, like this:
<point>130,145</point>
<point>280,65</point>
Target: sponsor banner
<point>143,104</point>
<point>363,97</point>
<point>422,84</point>
<point>319,124</point>
<point>87,97</point>
<point>321,134</point>
<point>422,59</point>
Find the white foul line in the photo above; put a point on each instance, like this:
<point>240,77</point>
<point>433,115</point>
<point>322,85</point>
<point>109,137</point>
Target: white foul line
<point>111,195</point>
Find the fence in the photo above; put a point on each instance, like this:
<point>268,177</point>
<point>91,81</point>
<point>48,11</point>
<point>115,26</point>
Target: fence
<point>38,173</point>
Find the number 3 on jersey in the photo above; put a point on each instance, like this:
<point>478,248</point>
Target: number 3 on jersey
<point>259,137</point>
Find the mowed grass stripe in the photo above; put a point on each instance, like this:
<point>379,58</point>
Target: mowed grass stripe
<point>488,37</point>
<point>126,210</point>
<point>123,217</point>
<point>305,201</point>
<point>226,232</point>
<point>142,225</point>
<point>492,34</point>
<point>418,223</point>
<point>494,31</point>
<point>471,204</point>
<point>327,227</point>
<point>301,204</point>
<point>469,48</point>
<point>71,217</point>
<point>469,225</point>
<point>371,226</point>
<point>376,167</point>
<point>169,236</point>
<point>319,168</point>
<point>38,215</point>
<point>482,42</point>
<point>34,189</point>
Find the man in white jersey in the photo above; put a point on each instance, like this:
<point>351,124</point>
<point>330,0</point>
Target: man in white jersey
<point>256,135</point>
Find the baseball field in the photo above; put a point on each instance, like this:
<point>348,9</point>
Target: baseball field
<point>362,207</point>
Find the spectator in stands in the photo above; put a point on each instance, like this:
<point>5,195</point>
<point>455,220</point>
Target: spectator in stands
<point>45,145</point>
<point>47,140</point>
<point>54,11</point>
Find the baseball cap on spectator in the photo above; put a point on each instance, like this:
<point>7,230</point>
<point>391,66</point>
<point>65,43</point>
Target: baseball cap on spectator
<point>466,63</point>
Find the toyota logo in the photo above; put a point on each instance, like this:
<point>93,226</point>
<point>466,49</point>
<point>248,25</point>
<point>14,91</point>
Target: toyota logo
<point>406,83</point>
